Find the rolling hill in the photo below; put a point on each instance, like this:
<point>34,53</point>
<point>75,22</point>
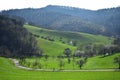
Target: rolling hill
<point>56,20</point>
<point>53,48</point>
<point>109,17</point>
<point>53,42</point>
<point>18,39</point>
<point>99,62</point>
<point>83,38</point>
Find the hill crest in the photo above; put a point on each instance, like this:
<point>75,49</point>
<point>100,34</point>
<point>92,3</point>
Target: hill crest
<point>105,21</point>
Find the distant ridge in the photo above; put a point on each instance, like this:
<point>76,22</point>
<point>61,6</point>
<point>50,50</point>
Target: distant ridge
<point>104,21</point>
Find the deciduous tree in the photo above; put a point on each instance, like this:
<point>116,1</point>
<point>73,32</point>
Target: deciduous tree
<point>117,61</point>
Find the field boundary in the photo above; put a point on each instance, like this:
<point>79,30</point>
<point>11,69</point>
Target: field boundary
<point>16,62</point>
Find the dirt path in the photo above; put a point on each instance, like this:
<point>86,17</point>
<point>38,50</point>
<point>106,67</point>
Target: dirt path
<point>16,62</point>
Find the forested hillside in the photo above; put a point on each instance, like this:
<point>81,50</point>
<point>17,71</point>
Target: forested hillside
<point>56,20</point>
<point>109,17</point>
<point>14,39</point>
<point>105,21</point>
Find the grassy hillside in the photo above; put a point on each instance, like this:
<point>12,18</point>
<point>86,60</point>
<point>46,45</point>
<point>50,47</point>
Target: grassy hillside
<point>81,38</point>
<point>9,72</point>
<point>53,48</point>
<point>62,39</point>
<point>99,62</point>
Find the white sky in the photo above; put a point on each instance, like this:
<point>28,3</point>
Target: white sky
<point>87,4</point>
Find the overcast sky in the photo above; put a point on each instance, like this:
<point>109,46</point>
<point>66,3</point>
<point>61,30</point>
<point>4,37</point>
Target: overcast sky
<point>87,4</point>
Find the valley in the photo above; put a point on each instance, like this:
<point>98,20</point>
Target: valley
<point>53,51</point>
<point>59,43</point>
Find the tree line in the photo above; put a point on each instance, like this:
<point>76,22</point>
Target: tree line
<point>15,40</point>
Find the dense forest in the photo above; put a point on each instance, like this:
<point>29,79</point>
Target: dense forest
<point>14,39</point>
<point>104,21</point>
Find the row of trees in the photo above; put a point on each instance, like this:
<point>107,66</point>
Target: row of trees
<point>117,61</point>
<point>61,63</point>
<point>40,64</point>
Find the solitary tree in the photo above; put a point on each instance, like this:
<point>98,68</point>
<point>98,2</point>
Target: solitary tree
<point>46,57</point>
<point>117,61</point>
<point>80,63</point>
<point>40,65</point>
<point>22,60</point>
<point>85,59</point>
<point>35,64</point>
<point>78,53</point>
<point>117,41</point>
<point>28,64</point>
<point>61,64</point>
<point>69,60</point>
<point>67,52</point>
<point>73,61</point>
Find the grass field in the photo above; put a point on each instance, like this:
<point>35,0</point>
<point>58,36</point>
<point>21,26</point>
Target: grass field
<point>80,38</point>
<point>9,72</point>
<point>56,47</point>
<point>53,48</point>
<point>97,62</point>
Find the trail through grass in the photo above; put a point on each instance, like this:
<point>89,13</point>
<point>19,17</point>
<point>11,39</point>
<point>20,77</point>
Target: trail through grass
<point>9,72</point>
<point>97,62</point>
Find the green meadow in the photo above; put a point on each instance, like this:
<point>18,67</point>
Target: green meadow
<point>66,36</point>
<point>62,40</point>
<point>9,72</point>
<point>53,48</point>
<point>97,62</point>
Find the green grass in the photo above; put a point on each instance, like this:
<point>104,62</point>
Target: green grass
<point>53,48</point>
<point>56,48</point>
<point>99,62</point>
<point>80,38</point>
<point>9,72</point>
<point>92,63</point>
